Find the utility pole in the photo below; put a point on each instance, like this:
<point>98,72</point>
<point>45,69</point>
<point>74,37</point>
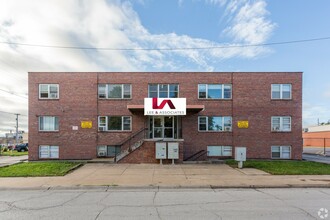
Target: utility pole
<point>17,128</point>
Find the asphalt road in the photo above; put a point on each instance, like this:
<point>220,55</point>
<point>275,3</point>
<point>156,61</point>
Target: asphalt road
<point>316,150</point>
<point>165,204</point>
<point>317,158</point>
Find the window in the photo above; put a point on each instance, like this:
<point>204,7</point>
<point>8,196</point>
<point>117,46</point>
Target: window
<point>114,91</point>
<point>219,151</point>
<point>48,91</point>
<point>163,91</point>
<point>115,123</point>
<point>48,123</point>
<point>214,91</point>
<point>46,151</point>
<point>214,123</point>
<point>281,152</point>
<point>281,91</point>
<point>281,123</point>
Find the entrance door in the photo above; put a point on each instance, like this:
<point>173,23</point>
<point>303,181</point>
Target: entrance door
<point>163,127</point>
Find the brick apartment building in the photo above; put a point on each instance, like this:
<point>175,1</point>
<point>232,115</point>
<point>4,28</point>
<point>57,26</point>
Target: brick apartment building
<point>85,115</point>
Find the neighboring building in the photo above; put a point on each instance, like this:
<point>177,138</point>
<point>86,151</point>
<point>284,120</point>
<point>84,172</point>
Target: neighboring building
<point>86,115</point>
<point>317,136</point>
<point>10,138</point>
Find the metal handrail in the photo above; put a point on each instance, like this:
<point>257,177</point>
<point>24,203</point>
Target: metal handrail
<point>132,136</point>
<point>129,140</point>
<point>195,154</point>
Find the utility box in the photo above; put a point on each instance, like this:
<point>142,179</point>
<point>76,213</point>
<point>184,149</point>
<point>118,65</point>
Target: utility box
<point>240,156</point>
<point>160,150</point>
<point>240,153</point>
<point>173,150</point>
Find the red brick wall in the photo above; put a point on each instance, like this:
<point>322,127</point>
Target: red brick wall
<point>147,154</point>
<point>251,101</point>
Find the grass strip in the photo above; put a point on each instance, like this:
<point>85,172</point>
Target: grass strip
<point>291,167</point>
<point>33,169</point>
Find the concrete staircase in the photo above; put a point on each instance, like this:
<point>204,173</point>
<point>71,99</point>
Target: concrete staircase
<point>132,148</point>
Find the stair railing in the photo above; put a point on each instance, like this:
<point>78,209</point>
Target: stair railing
<point>132,139</point>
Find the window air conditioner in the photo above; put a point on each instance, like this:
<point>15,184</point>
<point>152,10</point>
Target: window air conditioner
<point>101,128</point>
<point>227,128</point>
<point>101,154</point>
<point>102,151</point>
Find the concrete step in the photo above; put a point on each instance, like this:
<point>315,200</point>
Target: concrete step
<point>102,160</point>
<point>205,162</point>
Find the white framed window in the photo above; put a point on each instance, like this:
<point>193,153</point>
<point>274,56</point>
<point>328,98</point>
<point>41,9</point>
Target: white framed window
<point>213,151</point>
<point>214,123</point>
<point>47,151</point>
<point>281,91</point>
<point>163,90</point>
<point>115,123</point>
<point>48,91</point>
<point>114,91</point>
<point>281,152</point>
<point>281,123</point>
<point>214,91</point>
<point>48,123</point>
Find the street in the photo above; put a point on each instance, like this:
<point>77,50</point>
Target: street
<point>316,158</point>
<point>198,203</point>
<point>316,150</point>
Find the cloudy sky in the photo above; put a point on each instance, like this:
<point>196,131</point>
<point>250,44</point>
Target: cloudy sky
<point>39,35</point>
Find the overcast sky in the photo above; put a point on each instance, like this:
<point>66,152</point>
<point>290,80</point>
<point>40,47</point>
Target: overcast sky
<point>163,24</point>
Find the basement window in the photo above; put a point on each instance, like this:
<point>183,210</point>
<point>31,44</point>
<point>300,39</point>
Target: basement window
<point>281,152</point>
<point>213,151</point>
<point>47,151</point>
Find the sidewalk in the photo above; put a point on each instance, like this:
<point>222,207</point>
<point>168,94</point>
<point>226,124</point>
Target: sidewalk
<point>165,176</point>
<point>7,160</point>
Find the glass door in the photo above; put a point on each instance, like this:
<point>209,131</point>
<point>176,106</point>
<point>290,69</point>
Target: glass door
<point>168,127</point>
<point>163,127</point>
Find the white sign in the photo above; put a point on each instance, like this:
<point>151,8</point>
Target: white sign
<point>173,150</point>
<point>240,153</point>
<point>75,128</point>
<point>165,106</point>
<point>160,150</point>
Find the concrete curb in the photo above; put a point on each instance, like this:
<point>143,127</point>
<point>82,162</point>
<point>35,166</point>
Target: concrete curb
<point>322,155</point>
<point>210,187</point>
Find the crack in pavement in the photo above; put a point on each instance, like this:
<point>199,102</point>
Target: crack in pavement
<point>47,207</point>
<point>288,204</point>
<point>153,203</point>
<point>211,211</point>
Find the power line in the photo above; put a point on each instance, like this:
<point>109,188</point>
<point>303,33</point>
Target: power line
<point>12,113</point>
<point>168,49</point>
<point>12,93</point>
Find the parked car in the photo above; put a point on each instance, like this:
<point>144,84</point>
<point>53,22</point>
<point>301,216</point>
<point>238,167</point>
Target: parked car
<point>22,147</point>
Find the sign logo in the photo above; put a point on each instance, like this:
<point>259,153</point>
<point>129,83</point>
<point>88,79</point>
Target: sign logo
<point>86,124</point>
<point>161,106</point>
<point>243,124</point>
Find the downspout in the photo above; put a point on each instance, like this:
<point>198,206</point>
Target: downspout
<point>97,107</point>
<point>232,110</point>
